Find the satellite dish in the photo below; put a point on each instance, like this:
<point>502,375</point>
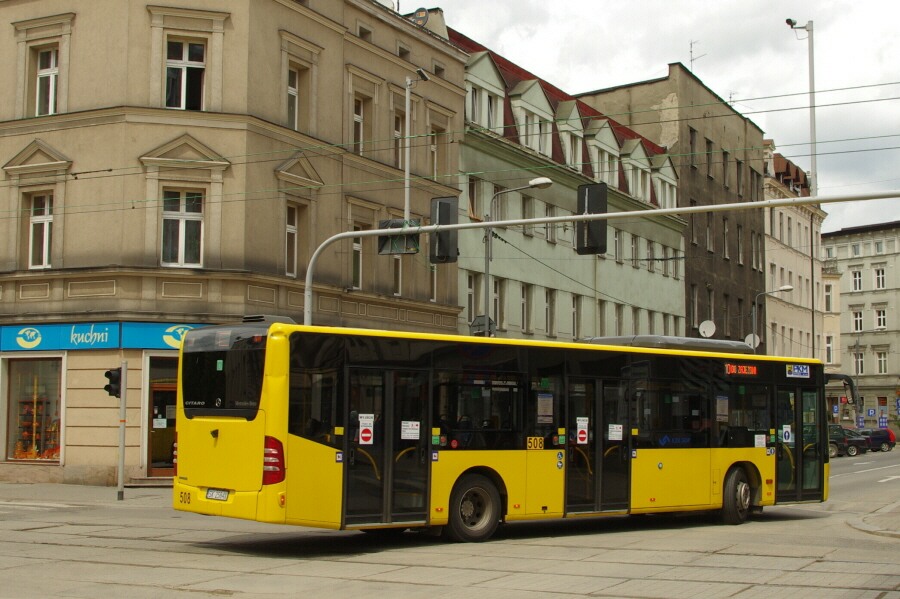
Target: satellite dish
<point>707,329</point>
<point>420,17</point>
<point>752,340</point>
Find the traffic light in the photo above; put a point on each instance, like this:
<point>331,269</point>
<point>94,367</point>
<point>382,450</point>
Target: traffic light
<point>443,244</point>
<point>114,387</point>
<point>590,236</point>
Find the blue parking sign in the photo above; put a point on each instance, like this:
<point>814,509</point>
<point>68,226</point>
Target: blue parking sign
<point>835,409</point>
<point>860,422</point>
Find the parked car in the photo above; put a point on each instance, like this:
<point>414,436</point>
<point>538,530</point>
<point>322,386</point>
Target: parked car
<point>842,441</point>
<point>879,438</point>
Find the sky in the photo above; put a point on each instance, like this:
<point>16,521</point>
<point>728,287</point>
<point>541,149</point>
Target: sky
<point>746,53</point>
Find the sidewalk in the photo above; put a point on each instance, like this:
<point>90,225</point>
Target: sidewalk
<point>884,522</point>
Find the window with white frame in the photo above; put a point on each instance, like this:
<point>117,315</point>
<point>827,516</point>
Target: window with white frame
<point>739,171</point>
<point>470,296</point>
<point>293,98</point>
<point>676,264</point>
<point>362,110</point>
<point>879,277</point>
<point>525,307</point>
<point>881,360</point>
<point>635,259</point>
<point>41,230</point>
<point>879,247</point>
<point>665,261</point>
<point>182,227</point>
<point>725,252</point>
<point>857,317</point>
<point>576,317</point>
<point>550,228</point>
<point>47,80</point>
<point>437,148</point>
<point>473,106</point>
<point>856,277</point>
<point>356,263</point>
<point>399,137</point>
<point>829,307</point>
<point>498,301</point>
<point>290,240</point>
<point>185,71</point>
<point>880,318</point>
<point>527,213</point>
<point>550,311</point>
<point>709,233</point>
<point>855,250</point>
<point>619,323</point>
<point>475,198</point>
<point>740,244</point>
<point>618,245</point>
<point>651,256</point>
<point>829,349</point>
<point>535,132</point>
<point>858,363</point>
<point>484,107</point>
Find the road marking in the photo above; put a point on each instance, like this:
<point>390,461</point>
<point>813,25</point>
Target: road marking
<point>868,470</point>
<point>34,506</point>
<point>884,480</point>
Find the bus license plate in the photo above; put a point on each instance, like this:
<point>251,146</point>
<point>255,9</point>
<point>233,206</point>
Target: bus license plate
<point>217,494</point>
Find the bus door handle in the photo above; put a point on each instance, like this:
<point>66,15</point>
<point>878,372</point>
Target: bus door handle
<point>423,455</point>
<point>351,457</point>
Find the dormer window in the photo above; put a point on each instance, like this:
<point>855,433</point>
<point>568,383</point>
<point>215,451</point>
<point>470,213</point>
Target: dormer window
<point>484,108</point>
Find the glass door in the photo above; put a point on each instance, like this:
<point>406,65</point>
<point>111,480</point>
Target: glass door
<point>388,447</point>
<point>162,430</point>
<point>800,431</point>
<point>615,465</point>
<point>582,472</point>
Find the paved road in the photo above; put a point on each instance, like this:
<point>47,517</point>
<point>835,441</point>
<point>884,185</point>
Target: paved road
<point>72,541</point>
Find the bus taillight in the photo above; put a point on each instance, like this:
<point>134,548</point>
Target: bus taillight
<point>273,461</point>
<point>175,456</point>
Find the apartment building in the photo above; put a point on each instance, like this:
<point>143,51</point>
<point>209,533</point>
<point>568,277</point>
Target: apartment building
<point>867,259</point>
<point>520,127</point>
<point>718,158</point>
<point>173,165</point>
<point>794,318</point>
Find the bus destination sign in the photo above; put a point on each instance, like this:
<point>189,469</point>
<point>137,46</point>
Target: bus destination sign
<point>797,371</point>
<point>741,369</point>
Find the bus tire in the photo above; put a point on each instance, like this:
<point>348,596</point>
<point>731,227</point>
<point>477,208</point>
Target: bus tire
<point>474,509</point>
<point>736,498</point>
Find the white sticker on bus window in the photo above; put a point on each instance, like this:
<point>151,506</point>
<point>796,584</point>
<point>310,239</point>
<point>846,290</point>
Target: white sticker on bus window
<point>545,408</point>
<point>366,429</point>
<point>615,432</point>
<point>721,408</point>
<point>581,430</point>
<point>409,430</point>
<point>759,441</point>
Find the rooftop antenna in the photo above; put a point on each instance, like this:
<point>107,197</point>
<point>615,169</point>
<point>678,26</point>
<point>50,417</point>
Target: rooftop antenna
<point>693,58</point>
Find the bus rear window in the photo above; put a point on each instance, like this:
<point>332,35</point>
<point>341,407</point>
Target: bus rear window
<point>222,371</point>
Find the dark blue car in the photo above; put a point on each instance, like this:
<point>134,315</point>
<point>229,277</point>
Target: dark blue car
<point>879,438</point>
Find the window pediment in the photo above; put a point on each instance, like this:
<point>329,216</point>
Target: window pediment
<point>530,96</point>
<point>37,157</point>
<point>298,173</point>
<point>481,71</point>
<point>185,152</point>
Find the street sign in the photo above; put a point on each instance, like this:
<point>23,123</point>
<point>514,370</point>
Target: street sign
<point>860,422</point>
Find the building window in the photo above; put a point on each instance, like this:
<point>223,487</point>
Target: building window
<point>40,238</point>
<point>525,305</point>
<point>601,318</point>
<point>829,349</point>
<point>726,162</point>
<point>185,69</point>
<point>47,81</point>
<point>725,252</point>
<point>710,244</point>
<point>437,150</point>
<point>550,311</point>
<point>881,357</point>
<point>856,276</point>
<point>855,250</point>
<point>740,244</point>
<point>620,317</point>
<point>475,200</point>
<point>34,409</point>
<point>635,260</point>
<point>433,282</point>
<point>695,306</point>
<point>356,265</point>
<point>399,135</point>
<point>665,261</point>
<point>397,287</point>
<point>858,363</point>
<point>576,317</point>
<point>828,298</point>
<point>880,318</point>
<point>879,278</point>
<point>364,33</point>
<point>879,247</point>
<point>182,236</point>
<point>618,245</point>
<point>651,256</point>
<point>709,159</point>
<point>360,123</point>
<point>497,302</point>
<point>290,241</point>
<point>857,321</point>
<point>693,140</point>
<point>293,98</point>
<point>550,228</point>
<point>739,171</point>
<point>676,264</point>
<point>527,213</point>
<point>470,296</point>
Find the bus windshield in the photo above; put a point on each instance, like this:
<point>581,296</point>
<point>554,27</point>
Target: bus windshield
<point>222,371</point>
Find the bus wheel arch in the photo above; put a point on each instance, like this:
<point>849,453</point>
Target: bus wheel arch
<point>740,492</point>
<point>477,506</point>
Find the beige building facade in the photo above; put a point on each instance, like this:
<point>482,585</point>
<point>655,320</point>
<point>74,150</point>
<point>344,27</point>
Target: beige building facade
<point>171,166</point>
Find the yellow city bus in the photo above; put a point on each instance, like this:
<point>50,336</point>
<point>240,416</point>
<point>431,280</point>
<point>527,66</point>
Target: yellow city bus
<point>357,429</point>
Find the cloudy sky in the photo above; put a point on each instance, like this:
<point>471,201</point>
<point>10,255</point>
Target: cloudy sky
<point>743,51</point>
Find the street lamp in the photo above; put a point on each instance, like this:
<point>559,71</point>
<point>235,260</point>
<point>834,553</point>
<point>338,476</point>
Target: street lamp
<point>421,75</point>
<point>537,183</point>
<point>754,338</point>
<point>814,173</point>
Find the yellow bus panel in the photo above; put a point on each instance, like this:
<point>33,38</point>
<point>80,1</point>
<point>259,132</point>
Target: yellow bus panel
<point>670,478</point>
<point>314,484</point>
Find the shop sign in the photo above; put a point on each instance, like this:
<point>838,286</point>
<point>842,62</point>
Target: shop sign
<point>95,335</point>
<point>153,335</point>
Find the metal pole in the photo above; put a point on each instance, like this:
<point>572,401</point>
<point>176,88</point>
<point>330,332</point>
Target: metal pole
<point>310,269</point>
<point>814,176</point>
<point>488,239</point>
<point>123,382</point>
<point>406,141</point>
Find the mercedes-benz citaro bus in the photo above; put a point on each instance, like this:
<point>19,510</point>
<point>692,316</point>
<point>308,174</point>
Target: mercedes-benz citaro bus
<point>357,429</point>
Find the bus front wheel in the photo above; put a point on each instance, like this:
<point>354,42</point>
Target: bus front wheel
<point>736,498</point>
<point>474,509</point>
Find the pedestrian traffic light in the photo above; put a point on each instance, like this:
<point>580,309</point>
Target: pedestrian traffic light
<point>590,236</point>
<point>114,387</point>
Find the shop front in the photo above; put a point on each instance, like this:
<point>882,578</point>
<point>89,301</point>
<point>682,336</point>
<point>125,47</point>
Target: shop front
<point>57,424</point>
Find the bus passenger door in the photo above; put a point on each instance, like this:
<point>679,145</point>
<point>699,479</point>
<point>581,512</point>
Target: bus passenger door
<point>387,453</point>
<point>799,453</point>
<point>598,469</point>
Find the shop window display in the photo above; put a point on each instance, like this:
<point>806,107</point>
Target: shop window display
<point>34,410</point>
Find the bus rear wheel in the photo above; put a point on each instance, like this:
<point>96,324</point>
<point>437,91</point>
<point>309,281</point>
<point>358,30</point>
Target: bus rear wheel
<point>736,497</point>
<point>474,509</point>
